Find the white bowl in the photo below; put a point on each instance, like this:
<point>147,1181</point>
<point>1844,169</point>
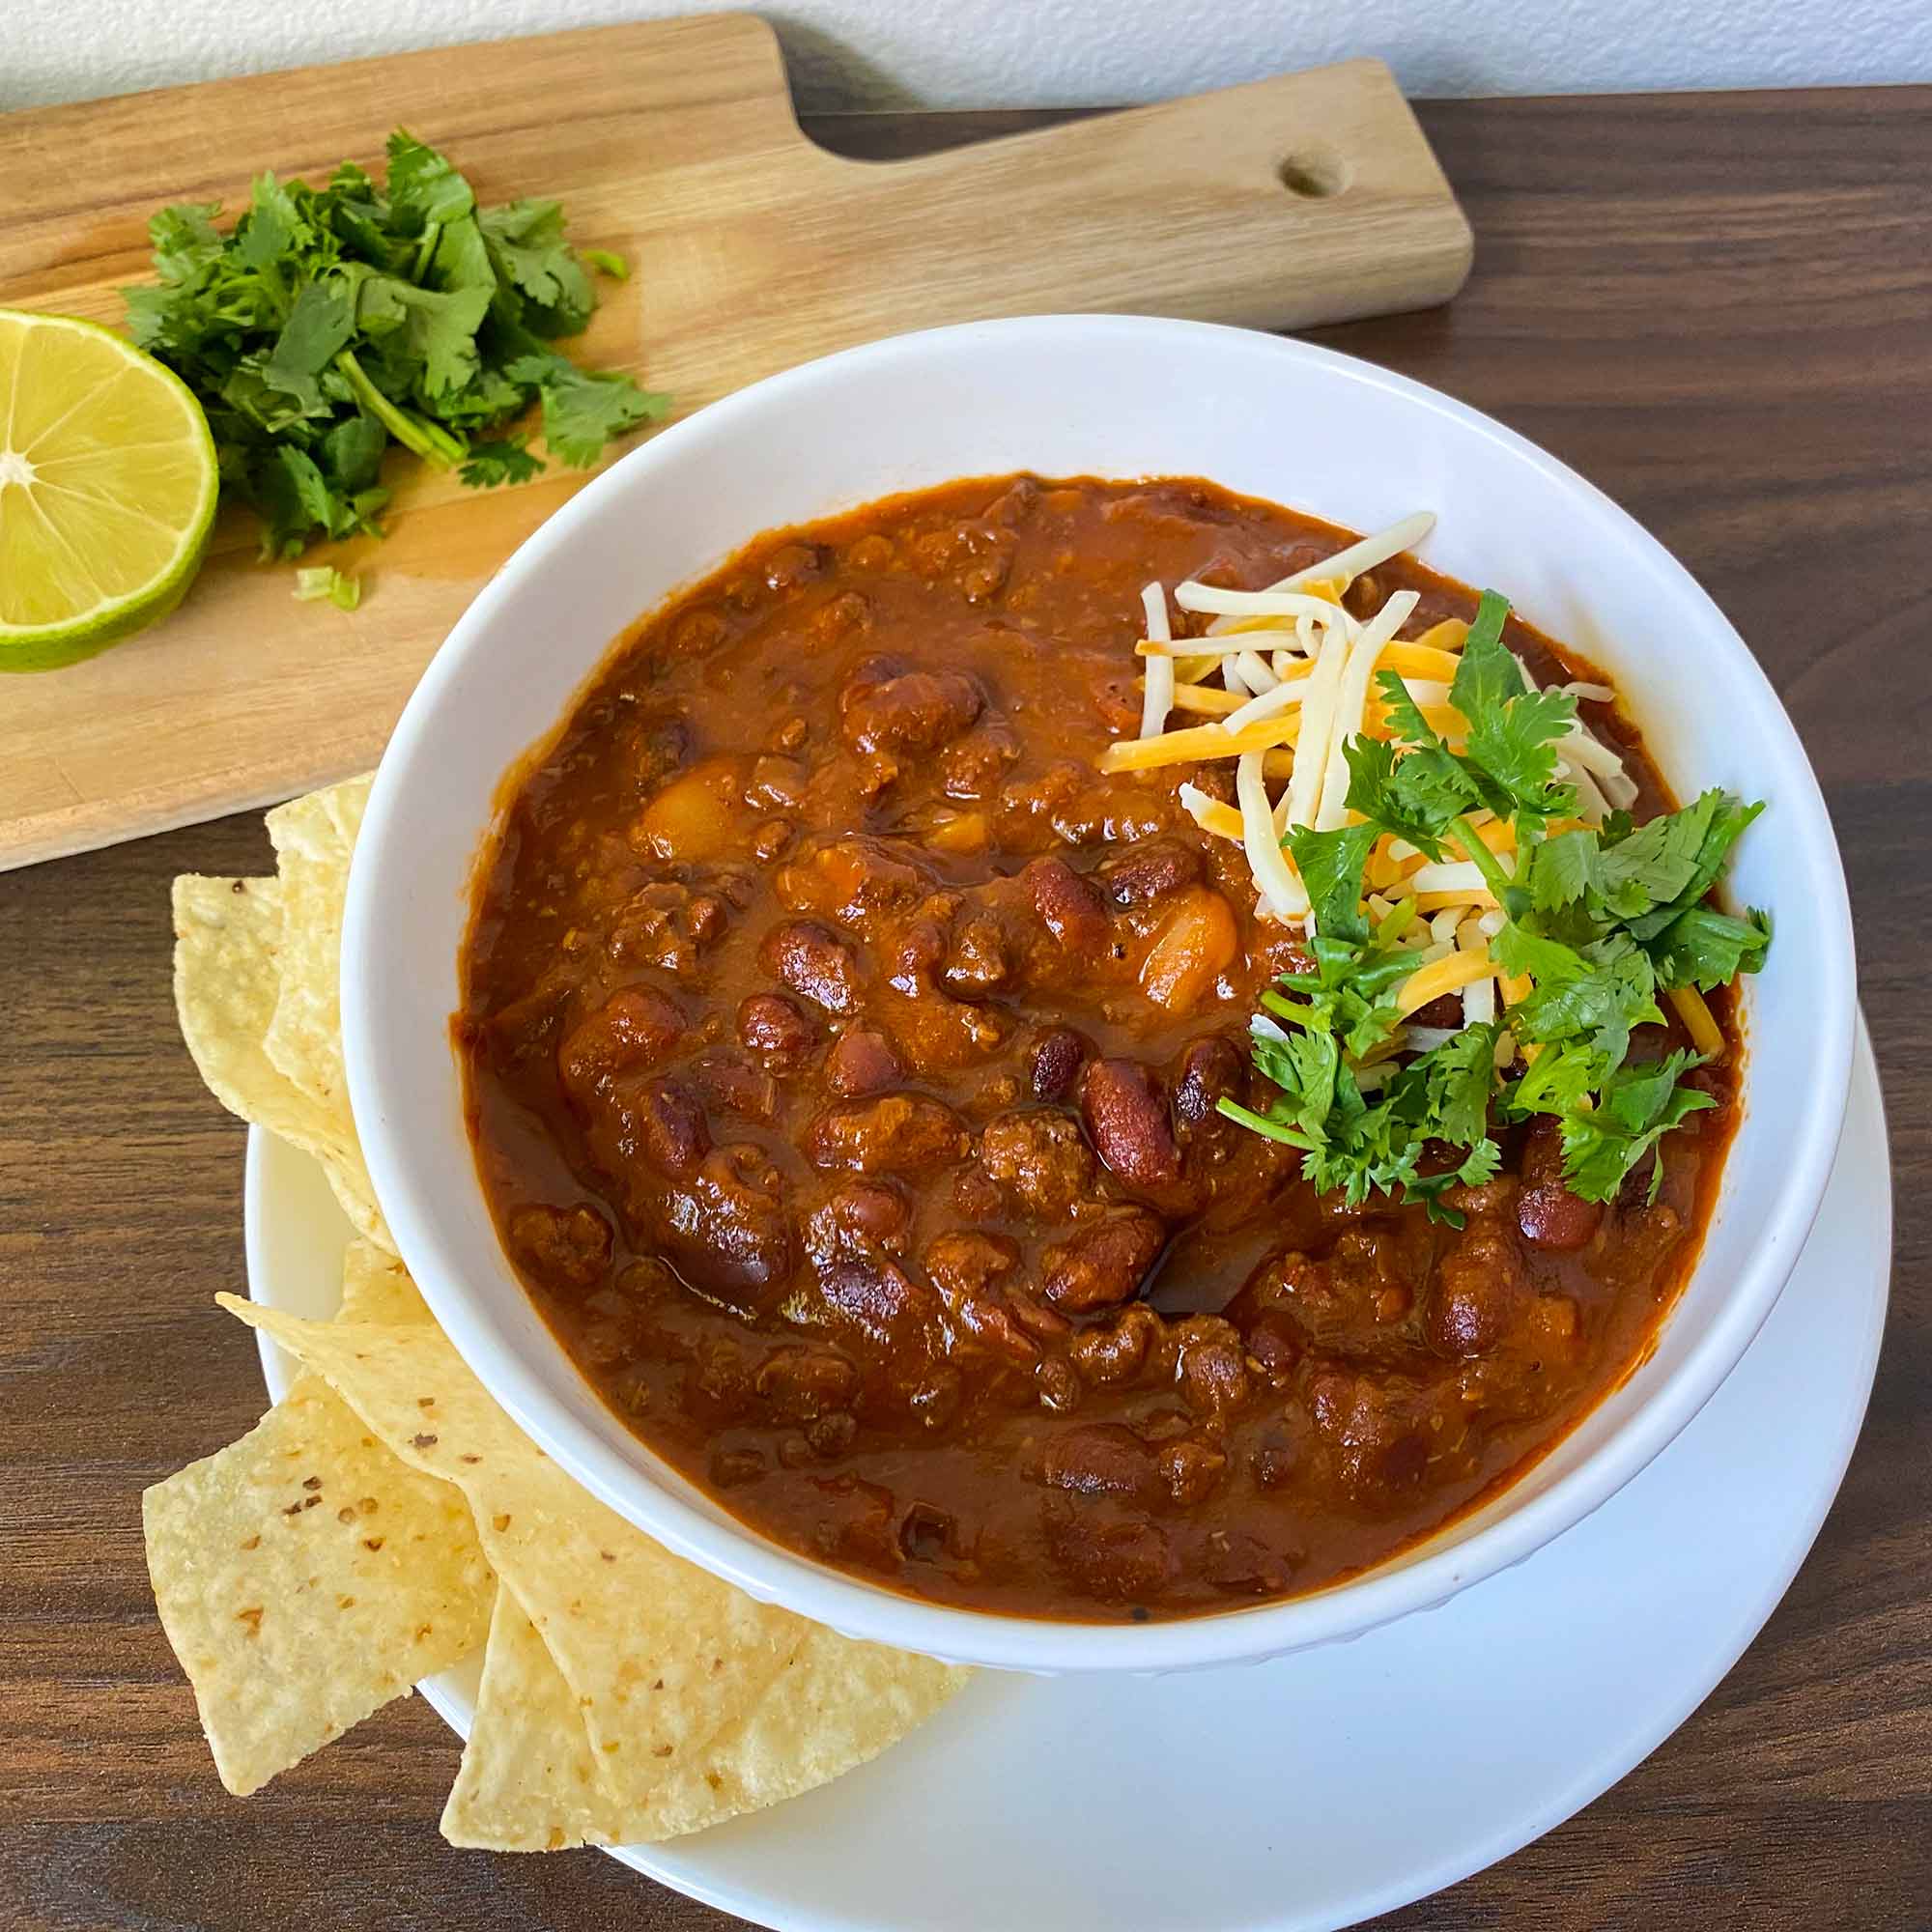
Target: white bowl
<point>1112,396</point>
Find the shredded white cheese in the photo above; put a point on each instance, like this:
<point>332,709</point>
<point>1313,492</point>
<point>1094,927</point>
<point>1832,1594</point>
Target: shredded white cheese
<point>1310,748</point>
<point>1346,565</point>
<point>1157,699</point>
<point>1281,890</point>
<point>1350,703</point>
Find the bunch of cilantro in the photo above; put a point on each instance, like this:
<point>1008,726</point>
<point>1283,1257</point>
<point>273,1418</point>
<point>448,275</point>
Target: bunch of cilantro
<point>329,322</point>
<point>1600,920</point>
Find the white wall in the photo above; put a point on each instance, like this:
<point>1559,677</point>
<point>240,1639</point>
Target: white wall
<point>966,53</point>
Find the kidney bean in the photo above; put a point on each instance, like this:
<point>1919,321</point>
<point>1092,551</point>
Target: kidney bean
<point>1150,871</point>
<point>1126,1118</point>
<point>1105,1264</point>
<point>1054,1063</point>
<point>669,1128</point>
<point>1480,1289</point>
<point>1070,905</point>
<point>814,961</point>
<point>1101,1459</point>
<point>770,1024</point>
<point>860,1062</point>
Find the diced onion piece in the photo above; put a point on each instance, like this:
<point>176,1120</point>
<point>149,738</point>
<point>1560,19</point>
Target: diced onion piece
<point>1275,878</point>
<point>1448,974</point>
<point>1157,686</point>
<point>1193,742</point>
<point>1699,1021</point>
<point>1211,814</point>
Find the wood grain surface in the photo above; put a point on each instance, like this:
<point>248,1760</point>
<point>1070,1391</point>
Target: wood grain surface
<point>1715,307</point>
<point>674,143</point>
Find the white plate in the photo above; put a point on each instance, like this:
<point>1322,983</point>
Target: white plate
<point>1322,1788</point>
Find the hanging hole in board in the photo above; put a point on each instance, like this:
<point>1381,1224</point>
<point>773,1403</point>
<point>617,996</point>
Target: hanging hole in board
<point>1312,173</point>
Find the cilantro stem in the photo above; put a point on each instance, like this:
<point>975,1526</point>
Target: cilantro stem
<point>1260,1124</point>
<point>433,444</point>
<point>1493,877</point>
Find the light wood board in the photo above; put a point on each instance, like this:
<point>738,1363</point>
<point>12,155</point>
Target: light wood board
<point>1313,197</point>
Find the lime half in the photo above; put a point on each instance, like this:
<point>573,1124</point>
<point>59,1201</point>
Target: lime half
<point>108,489</point>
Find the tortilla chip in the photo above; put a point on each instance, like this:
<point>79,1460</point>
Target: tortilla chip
<point>376,1287</point>
<point>836,1703</point>
<point>687,1689</point>
<point>314,840</point>
<point>228,937</point>
<point>528,1779</point>
<point>305,1576</point>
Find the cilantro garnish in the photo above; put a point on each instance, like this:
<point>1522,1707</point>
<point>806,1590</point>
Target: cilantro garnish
<point>331,322</point>
<point>1597,921</point>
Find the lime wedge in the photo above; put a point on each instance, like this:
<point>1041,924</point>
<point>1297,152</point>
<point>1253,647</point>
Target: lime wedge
<point>108,489</point>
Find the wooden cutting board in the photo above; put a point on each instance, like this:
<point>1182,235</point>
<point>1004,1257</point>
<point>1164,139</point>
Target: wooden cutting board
<point>1308,198</point>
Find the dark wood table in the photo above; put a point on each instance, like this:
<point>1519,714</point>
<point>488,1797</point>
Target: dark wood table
<point>1718,307</point>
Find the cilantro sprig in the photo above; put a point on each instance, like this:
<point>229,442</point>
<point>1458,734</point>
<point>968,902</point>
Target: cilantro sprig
<point>1598,920</point>
<point>331,322</point>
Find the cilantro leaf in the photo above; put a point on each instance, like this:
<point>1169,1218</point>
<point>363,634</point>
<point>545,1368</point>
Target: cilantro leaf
<point>1706,948</point>
<point>507,461</point>
<point>1636,1106</point>
<point>584,409</point>
<point>424,188</point>
<point>327,322</point>
<point>526,248</point>
<point>1417,796</point>
<point>1330,865</point>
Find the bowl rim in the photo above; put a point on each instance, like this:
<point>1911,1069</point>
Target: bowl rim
<point>768,1570</point>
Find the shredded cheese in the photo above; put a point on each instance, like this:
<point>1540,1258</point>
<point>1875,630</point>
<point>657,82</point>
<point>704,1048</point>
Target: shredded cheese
<point>1192,743</point>
<point>1196,596</point>
<point>1449,972</point>
<point>1204,701</point>
<point>1310,748</point>
<point>1451,634</point>
<point>1211,814</point>
<point>1351,699</point>
<point>1281,892</point>
<point>1699,1022</point>
<point>1159,683</point>
<point>1461,876</point>
<point>1254,672</point>
<point>1336,573</point>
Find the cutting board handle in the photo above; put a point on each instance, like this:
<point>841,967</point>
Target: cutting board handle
<point>1309,197</point>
